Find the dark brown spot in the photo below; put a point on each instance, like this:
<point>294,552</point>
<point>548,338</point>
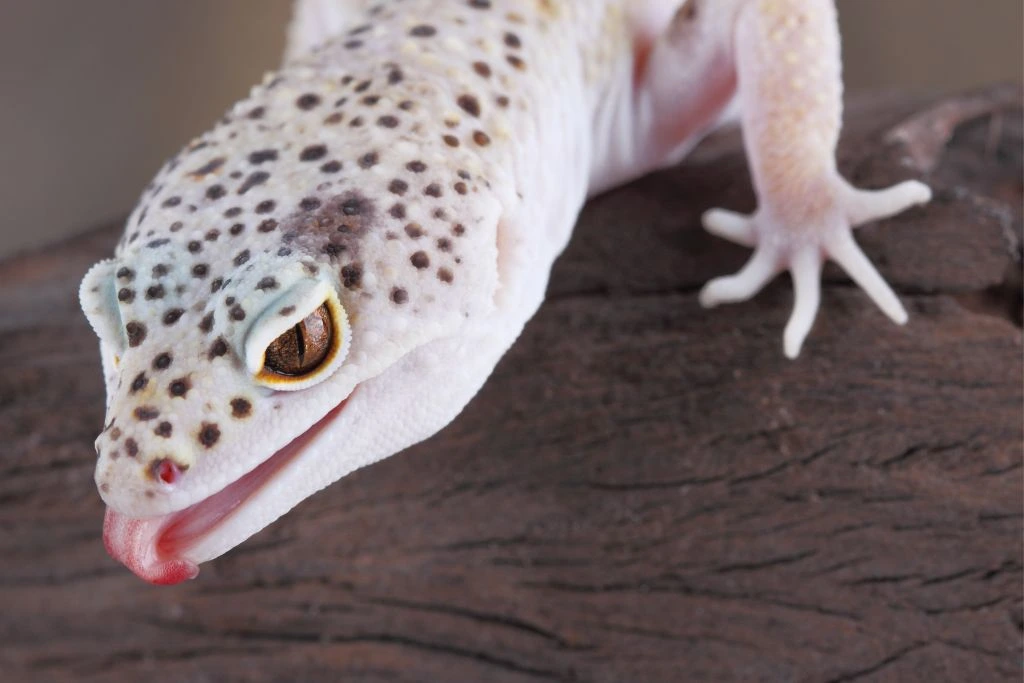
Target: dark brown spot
<point>215,192</point>
<point>388,121</point>
<point>420,260</point>
<point>236,229</point>
<point>395,76</point>
<point>136,333</point>
<point>331,167</point>
<point>371,100</point>
<point>240,408</point>
<point>218,349</point>
<point>481,138</point>
<point>209,167</point>
<point>209,434</point>
<point>459,230</point>
<point>399,295</point>
<point>164,430</point>
<point>200,270</point>
<point>263,156</point>
<point>254,179</point>
<point>414,230</point>
<point>155,292</point>
<point>216,285</point>
<point>399,187</point>
<point>159,270</point>
<point>237,313</point>
<point>267,283</point>
<point>146,413</point>
<point>179,388</point>
<point>171,202</point>
<point>482,69</point>
<point>516,62</point>
<point>162,362</point>
<point>451,140</point>
<point>124,273</point>
<point>445,275</point>
<point>206,324</point>
<point>172,316</point>
<point>126,295</point>
<point>512,40</point>
<point>139,383</point>
<point>432,190</point>
<point>334,119</point>
<point>480,4</point>
<point>286,311</point>
<point>195,246</point>
<point>308,101</point>
<point>444,244</point>
<point>115,433</point>
<point>268,225</point>
<point>469,104</point>
<point>369,160</point>
<point>266,206</point>
<point>131,447</point>
<point>212,235</point>
<point>423,31</point>
<point>257,113</point>
<point>352,276</point>
<point>241,258</point>
<point>313,153</point>
<point>397,211</point>
<point>461,187</point>
<point>232,212</point>
<point>310,204</point>
<point>416,166</point>
<point>502,101</point>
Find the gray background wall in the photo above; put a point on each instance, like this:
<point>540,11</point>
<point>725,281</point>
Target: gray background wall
<point>95,94</point>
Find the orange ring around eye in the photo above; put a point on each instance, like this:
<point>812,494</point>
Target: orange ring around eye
<point>338,322</point>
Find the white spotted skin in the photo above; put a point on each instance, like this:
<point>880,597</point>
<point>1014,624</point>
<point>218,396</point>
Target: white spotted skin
<point>423,161</point>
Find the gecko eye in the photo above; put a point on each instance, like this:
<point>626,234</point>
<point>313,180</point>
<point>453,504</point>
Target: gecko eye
<point>299,339</point>
<point>303,348</point>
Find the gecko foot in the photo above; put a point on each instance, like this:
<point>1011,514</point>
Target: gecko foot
<point>803,249</point>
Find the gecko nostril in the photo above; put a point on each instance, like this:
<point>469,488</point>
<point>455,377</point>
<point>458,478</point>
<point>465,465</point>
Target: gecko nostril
<point>166,471</point>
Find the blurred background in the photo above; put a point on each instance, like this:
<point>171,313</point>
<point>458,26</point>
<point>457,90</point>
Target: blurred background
<point>96,94</point>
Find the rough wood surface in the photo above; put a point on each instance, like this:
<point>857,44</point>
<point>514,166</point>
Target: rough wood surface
<point>644,491</point>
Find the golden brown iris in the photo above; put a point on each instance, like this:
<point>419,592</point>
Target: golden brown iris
<point>303,348</point>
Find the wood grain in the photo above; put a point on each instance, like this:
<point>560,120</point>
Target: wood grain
<point>644,491</point>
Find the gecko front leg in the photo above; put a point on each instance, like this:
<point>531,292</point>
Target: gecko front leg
<point>781,58</point>
<point>787,57</point>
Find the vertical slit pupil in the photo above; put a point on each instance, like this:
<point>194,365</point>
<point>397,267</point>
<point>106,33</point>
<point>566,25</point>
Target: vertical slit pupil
<point>303,348</point>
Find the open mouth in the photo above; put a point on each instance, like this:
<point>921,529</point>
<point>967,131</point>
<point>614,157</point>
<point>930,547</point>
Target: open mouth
<point>156,549</point>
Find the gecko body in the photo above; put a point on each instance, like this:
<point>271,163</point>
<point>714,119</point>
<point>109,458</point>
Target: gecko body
<point>331,273</point>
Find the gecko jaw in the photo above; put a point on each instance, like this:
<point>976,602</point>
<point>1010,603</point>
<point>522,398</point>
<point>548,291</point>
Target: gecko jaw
<point>156,548</point>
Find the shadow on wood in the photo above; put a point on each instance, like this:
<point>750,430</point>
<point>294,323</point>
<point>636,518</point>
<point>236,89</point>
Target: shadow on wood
<point>644,491</point>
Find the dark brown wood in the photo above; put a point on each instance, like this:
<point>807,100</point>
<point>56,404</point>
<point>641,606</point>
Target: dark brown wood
<point>644,491</point>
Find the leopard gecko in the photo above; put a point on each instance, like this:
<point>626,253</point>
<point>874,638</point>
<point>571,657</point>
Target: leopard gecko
<point>331,273</point>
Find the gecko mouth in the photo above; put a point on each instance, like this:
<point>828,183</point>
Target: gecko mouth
<point>156,549</point>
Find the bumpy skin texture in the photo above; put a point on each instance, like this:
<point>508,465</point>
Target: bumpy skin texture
<point>418,165</point>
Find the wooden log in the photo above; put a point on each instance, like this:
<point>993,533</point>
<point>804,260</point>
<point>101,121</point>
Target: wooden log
<point>644,491</point>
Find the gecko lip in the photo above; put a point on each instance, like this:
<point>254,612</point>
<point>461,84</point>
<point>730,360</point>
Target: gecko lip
<point>156,548</point>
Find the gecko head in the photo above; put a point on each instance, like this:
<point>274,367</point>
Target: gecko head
<point>235,369</point>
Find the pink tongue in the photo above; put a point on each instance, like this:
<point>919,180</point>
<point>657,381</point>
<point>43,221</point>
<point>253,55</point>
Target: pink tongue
<point>152,547</point>
<point>130,541</point>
